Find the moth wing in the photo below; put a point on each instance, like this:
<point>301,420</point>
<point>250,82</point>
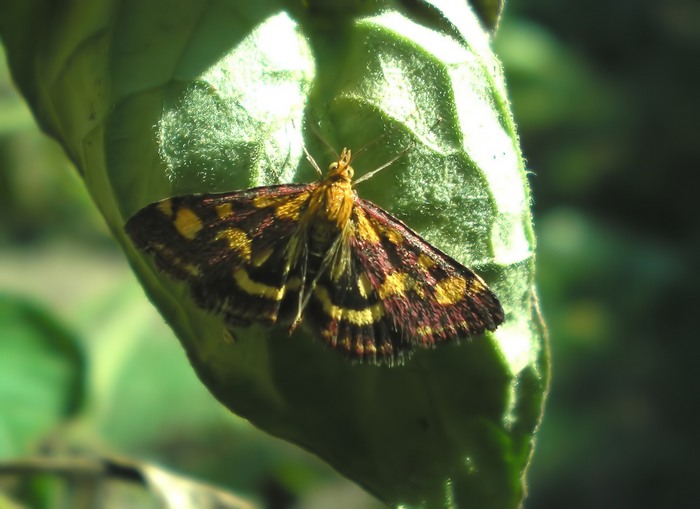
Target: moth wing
<point>236,251</point>
<point>397,292</point>
<point>433,297</point>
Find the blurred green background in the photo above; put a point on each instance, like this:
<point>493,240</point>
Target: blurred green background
<point>604,95</point>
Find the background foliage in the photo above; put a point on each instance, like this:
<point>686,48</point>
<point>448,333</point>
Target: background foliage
<point>604,96</point>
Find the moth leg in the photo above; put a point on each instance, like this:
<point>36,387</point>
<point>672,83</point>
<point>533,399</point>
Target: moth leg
<point>228,336</point>
<point>327,262</point>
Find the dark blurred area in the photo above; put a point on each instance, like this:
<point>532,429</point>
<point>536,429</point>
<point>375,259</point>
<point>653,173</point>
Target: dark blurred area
<point>606,97</point>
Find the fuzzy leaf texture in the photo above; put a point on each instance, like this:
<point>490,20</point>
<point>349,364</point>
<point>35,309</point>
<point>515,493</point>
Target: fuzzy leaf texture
<point>164,98</point>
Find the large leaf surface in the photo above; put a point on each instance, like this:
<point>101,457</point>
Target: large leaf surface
<point>162,98</point>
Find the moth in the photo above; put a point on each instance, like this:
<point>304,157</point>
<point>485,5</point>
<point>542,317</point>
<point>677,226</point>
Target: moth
<point>356,276</point>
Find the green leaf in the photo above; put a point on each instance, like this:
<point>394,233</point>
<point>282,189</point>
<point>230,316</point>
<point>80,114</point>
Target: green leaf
<point>489,11</point>
<point>41,375</point>
<point>438,11</point>
<point>158,99</point>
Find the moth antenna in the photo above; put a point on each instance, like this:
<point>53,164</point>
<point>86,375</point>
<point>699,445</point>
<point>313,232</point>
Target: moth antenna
<point>275,173</point>
<point>371,174</point>
<point>311,159</point>
<point>369,145</point>
<point>381,137</point>
<point>323,140</point>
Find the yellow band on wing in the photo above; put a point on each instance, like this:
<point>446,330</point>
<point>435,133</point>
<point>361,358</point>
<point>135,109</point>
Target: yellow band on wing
<point>367,316</point>
<point>244,282</point>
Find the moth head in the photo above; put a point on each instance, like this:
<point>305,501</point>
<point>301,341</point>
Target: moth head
<point>341,168</point>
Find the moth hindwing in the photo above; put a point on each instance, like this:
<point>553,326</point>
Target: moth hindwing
<point>359,278</point>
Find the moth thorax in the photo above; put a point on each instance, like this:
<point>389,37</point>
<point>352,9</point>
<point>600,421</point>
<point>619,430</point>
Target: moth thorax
<point>338,201</point>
